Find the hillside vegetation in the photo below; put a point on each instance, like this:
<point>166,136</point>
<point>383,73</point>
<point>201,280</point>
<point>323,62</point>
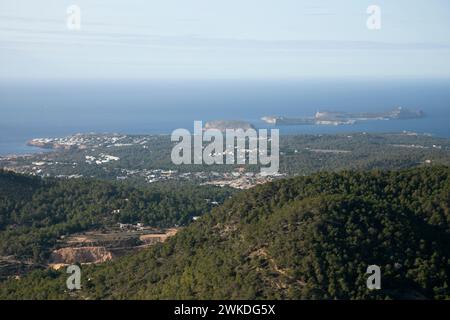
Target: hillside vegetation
<point>302,238</point>
<point>35,212</point>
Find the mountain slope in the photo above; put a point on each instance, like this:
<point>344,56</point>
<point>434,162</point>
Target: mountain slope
<point>303,238</point>
<point>35,212</point>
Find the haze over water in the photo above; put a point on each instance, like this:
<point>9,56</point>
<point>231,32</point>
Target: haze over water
<point>30,110</point>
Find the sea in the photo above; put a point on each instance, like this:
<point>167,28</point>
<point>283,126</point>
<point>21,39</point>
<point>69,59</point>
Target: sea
<point>31,109</point>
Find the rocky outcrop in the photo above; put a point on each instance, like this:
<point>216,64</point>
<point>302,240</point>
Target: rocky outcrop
<point>80,255</point>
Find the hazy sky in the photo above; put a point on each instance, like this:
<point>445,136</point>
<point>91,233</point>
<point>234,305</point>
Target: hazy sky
<point>204,39</point>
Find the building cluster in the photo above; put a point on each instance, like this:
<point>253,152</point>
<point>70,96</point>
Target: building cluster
<point>86,141</point>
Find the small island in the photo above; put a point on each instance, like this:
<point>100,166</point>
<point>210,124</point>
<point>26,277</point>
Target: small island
<point>344,118</point>
<point>222,125</point>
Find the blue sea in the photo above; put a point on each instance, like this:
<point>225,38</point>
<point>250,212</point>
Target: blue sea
<point>52,109</point>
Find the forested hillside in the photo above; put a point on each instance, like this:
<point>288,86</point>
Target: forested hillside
<point>34,212</point>
<point>302,238</point>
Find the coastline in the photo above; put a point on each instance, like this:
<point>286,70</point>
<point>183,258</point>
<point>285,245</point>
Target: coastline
<point>37,148</point>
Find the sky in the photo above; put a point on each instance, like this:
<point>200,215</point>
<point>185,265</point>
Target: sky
<point>223,39</point>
